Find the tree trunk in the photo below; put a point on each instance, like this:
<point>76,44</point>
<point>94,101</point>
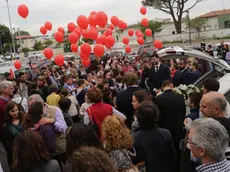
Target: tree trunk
<point>153,36</point>
<point>178,26</point>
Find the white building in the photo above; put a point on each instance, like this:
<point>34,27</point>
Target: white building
<point>26,42</point>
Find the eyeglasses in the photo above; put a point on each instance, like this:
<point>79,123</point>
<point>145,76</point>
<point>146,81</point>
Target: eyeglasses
<point>187,140</point>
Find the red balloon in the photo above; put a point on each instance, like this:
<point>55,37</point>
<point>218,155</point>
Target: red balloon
<point>125,26</point>
<point>71,26</point>
<point>59,60</point>
<point>125,40</point>
<point>111,26</point>
<point>43,30</point>
<point>61,29</point>
<point>101,39</point>
<point>73,38</point>
<point>158,44</point>
<point>148,32</point>
<point>110,41</point>
<point>140,34</point>
<point>92,33</point>
<point>77,31</point>
<point>144,22</point>
<point>137,31</point>
<point>130,32</point>
<point>98,50</point>
<point>93,13</point>
<point>114,20</point>
<point>101,19</point>
<point>59,37</point>
<point>127,49</point>
<point>85,34</point>
<point>108,32</point>
<point>84,57</point>
<point>122,24</point>
<point>17,64</point>
<point>85,63</point>
<point>82,22</point>
<point>23,10</point>
<point>86,49</point>
<point>108,46</point>
<point>140,41</point>
<point>143,10</point>
<point>48,53</point>
<point>48,25</point>
<point>92,20</point>
<point>74,48</point>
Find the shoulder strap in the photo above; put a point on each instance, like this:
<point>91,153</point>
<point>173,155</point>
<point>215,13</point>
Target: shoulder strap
<point>21,101</point>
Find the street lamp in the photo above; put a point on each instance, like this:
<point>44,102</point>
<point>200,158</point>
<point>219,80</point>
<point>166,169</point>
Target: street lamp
<point>1,42</point>
<point>189,28</point>
<point>11,29</point>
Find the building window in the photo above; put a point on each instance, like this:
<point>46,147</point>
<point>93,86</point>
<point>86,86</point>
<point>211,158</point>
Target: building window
<point>23,41</point>
<point>227,24</point>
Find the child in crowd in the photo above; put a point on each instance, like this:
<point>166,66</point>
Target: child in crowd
<point>85,106</point>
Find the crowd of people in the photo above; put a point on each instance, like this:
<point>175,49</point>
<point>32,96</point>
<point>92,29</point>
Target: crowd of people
<point>111,118</point>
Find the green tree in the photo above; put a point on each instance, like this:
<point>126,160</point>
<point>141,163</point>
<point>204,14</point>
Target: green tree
<point>155,26</point>
<point>25,50</point>
<point>175,8</point>
<point>22,32</point>
<point>38,46</point>
<point>48,42</point>
<point>196,24</point>
<point>5,37</point>
<point>89,41</point>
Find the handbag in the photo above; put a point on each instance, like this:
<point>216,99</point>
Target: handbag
<point>93,123</point>
<point>133,168</point>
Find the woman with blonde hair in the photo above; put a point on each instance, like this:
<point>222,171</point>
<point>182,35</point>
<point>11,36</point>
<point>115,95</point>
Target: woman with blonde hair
<point>117,141</point>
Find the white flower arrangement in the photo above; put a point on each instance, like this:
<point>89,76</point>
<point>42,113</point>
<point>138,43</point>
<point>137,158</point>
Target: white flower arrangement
<point>184,90</point>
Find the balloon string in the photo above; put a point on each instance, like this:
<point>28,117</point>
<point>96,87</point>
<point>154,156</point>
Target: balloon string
<point>25,21</point>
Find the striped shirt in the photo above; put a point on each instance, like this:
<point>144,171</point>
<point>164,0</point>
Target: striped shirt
<point>222,166</point>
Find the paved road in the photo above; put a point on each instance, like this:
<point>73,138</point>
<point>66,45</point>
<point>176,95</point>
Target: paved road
<point>3,159</point>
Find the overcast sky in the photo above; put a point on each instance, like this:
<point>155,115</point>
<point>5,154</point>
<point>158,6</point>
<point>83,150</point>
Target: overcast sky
<point>60,12</point>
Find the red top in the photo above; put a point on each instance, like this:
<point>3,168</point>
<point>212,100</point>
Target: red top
<point>3,104</point>
<point>99,111</point>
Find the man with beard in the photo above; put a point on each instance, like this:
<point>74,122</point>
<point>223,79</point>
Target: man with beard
<point>182,75</point>
<point>23,85</point>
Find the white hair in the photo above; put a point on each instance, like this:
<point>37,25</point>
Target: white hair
<point>35,98</point>
<point>5,84</point>
<point>211,135</point>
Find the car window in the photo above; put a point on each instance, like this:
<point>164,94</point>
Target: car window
<point>227,96</point>
<point>214,74</point>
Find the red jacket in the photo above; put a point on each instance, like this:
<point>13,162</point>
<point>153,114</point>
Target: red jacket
<point>2,112</point>
<point>99,111</point>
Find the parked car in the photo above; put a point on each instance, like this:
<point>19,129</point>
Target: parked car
<point>7,66</point>
<point>11,56</point>
<point>220,69</point>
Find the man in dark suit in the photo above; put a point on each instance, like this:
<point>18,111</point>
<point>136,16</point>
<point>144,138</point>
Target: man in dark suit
<point>182,74</point>
<point>158,73</point>
<point>124,98</point>
<point>172,113</point>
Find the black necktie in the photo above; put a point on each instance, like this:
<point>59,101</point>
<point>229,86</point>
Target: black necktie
<point>156,70</point>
